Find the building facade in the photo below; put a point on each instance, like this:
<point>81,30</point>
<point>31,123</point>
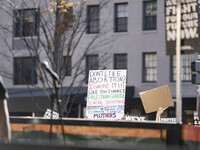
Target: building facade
<point>136,30</point>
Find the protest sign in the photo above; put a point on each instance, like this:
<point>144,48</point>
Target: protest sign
<point>190,41</point>
<point>106,94</point>
<point>158,97</point>
<point>48,114</point>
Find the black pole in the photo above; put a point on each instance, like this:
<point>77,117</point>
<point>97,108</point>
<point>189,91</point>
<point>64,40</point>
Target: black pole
<point>59,109</point>
<point>51,122</point>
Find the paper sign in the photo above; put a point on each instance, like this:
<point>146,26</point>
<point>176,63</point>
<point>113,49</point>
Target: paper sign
<point>106,94</point>
<point>48,114</point>
<point>158,97</point>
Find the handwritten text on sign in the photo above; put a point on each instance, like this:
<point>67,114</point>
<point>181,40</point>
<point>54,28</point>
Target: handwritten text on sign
<point>106,94</point>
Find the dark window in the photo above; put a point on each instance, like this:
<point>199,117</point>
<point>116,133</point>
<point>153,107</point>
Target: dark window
<point>92,63</point>
<point>186,60</point>
<point>67,63</point>
<point>26,22</point>
<point>93,19</point>
<point>120,61</point>
<point>149,67</point>
<point>24,71</point>
<point>121,17</point>
<point>149,15</point>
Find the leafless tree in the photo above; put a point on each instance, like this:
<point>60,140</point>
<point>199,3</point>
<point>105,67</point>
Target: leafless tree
<point>58,36</point>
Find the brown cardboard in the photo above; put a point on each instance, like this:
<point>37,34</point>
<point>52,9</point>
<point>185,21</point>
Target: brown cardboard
<point>158,97</point>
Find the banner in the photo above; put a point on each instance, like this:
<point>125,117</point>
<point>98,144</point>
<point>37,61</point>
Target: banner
<point>190,41</point>
<point>106,94</point>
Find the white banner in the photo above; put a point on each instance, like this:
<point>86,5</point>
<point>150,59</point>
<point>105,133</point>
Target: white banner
<point>106,94</point>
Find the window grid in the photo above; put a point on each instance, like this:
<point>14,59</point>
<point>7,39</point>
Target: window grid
<point>150,15</point>
<point>26,22</point>
<point>186,60</point>
<point>92,63</point>
<point>121,17</point>
<point>93,19</point>
<point>120,61</point>
<point>67,63</point>
<point>24,71</point>
<point>149,67</point>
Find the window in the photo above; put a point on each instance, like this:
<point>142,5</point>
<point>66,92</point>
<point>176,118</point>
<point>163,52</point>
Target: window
<point>120,61</point>
<point>92,63</point>
<point>26,22</point>
<point>149,15</point>
<point>149,67</point>
<point>67,63</point>
<point>186,67</point>
<point>24,71</point>
<point>121,17</point>
<point>93,19</point>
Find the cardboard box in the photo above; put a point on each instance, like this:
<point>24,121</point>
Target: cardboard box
<point>158,97</point>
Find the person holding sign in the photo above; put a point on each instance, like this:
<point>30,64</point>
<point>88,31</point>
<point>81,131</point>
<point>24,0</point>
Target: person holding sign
<point>157,99</point>
<point>5,133</point>
<point>159,112</point>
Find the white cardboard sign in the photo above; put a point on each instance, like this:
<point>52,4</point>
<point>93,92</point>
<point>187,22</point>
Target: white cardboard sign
<point>106,94</point>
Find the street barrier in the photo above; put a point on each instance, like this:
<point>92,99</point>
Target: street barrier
<point>121,132</point>
<point>81,134</point>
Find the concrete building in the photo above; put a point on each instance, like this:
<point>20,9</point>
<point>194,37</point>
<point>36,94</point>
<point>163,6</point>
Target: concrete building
<point>136,30</point>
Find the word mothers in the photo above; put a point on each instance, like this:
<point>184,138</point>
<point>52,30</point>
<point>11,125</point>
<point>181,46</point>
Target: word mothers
<point>104,115</point>
<point>109,76</point>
